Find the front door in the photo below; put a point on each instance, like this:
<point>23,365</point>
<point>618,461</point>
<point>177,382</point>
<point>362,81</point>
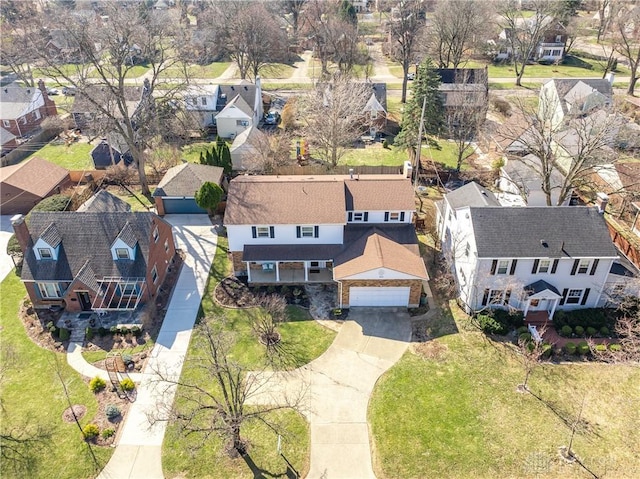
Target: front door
<point>85,300</point>
<point>538,304</point>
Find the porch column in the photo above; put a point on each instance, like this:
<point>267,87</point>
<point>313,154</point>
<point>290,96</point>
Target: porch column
<point>277,271</point>
<point>553,308</point>
<point>526,307</point>
<point>248,271</point>
<point>306,271</point>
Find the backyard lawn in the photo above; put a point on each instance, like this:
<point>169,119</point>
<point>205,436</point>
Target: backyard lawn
<point>210,71</point>
<point>32,396</point>
<point>306,338</point>
<point>374,155</point>
<point>459,412</point>
<point>446,154</point>
<point>76,156</point>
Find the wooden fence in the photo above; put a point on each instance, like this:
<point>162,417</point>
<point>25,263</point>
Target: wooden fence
<point>18,154</point>
<point>626,241</point>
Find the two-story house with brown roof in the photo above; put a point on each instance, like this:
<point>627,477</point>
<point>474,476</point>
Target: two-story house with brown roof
<point>356,231</point>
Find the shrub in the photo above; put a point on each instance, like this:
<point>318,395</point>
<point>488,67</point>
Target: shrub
<point>579,330</point>
<point>51,327</point>
<point>271,289</point>
<point>285,290</point>
<point>107,433</point>
<point>615,348</point>
<point>600,348</point>
<point>547,350</point>
<point>559,320</point>
<point>90,431</point>
<point>570,348</point>
<point>591,331</point>
<point>566,331</point>
<point>385,144</point>
<point>522,329</point>
<point>127,384</point>
<point>112,411</point>
<point>502,106</point>
<point>103,331</point>
<point>510,320</point>
<point>53,203</point>
<point>604,331</point>
<point>524,338</point>
<point>583,348</point>
<point>88,332</point>
<point>97,384</point>
<point>136,331</point>
<point>127,359</point>
<point>113,329</point>
<point>489,325</point>
<point>64,334</point>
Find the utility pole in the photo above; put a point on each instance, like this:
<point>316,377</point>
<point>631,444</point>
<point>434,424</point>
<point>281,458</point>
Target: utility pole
<point>419,150</point>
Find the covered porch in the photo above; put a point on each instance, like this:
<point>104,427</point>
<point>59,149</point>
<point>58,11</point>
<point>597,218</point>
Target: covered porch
<point>540,302</point>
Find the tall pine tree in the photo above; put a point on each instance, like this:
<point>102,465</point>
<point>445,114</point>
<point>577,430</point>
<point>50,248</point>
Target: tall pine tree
<point>425,85</point>
<point>225,158</point>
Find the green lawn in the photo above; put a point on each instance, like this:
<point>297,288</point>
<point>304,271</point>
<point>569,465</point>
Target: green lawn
<point>76,156</point>
<point>32,395</point>
<point>446,154</point>
<point>573,67</point>
<point>67,69</point>
<point>191,152</point>
<point>306,338</point>
<point>277,70</point>
<point>210,71</point>
<point>459,416</point>
<point>374,156</point>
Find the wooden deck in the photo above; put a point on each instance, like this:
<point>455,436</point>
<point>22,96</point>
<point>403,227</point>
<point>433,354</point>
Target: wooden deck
<point>537,318</point>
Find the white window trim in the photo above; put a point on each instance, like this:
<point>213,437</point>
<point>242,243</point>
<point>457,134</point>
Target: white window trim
<point>126,250</point>
<point>156,234</point>
<point>45,293</point>
<point>360,214</point>
<point>154,274</point>
<point>263,232</point>
<point>6,123</point>
<point>166,245</point>
<point>47,255</point>
<point>307,231</point>
<point>583,266</point>
<point>506,266</point>
<point>540,266</point>
<point>578,298</point>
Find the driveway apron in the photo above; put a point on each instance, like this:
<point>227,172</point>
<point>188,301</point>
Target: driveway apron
<point>138,454</point>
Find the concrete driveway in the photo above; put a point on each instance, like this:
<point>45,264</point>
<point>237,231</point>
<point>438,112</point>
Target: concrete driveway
<point>6,230</point>
<point>337,387</point>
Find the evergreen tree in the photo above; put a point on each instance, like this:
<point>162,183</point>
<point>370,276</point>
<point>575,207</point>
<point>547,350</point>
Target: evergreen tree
<point>208,196</point>
<point>225,158</point>
<point>424,86</point>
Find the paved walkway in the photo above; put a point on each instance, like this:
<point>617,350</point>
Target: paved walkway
<point>138,454</point>
<point>6,230</point>
<point>337,388</point>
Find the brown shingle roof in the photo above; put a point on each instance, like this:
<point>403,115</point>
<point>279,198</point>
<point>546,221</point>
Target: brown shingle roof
<point>375,249</point>
<point>313,200</point>
<point>187,178</point>
<point>37,176</point>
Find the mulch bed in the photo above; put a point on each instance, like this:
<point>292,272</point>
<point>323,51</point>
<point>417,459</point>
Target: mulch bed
<point>233,292</point>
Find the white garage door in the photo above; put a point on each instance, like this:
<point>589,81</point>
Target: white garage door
<point>379,296</point>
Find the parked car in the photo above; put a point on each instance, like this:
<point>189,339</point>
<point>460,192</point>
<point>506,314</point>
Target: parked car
<point>53,91</point>
<point>272,118</point>
<point>411,76</point>
<point>69,91</point>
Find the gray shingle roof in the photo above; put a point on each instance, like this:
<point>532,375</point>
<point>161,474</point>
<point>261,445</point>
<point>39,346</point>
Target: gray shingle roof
<point>51,236</point>
<point>16,101</point>
<point>186,179</point>
<point>127,235</point>
<point>567,231</point>
<point>104,202</point>
<point>246,91</point>
<point>471,194</point>
<point>539,286</point>
<point>87,238</point>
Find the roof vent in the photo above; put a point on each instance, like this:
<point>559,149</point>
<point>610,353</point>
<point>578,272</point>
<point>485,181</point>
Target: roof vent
<point>233,88</point>
<point>544,243</point>
<point>245,88</point>
<point>351,173</point>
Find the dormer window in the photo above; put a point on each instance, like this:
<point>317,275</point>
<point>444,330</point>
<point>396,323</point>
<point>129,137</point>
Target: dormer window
<point>394,216</point>
<point>358,216</point>
<point>45,253</point>
<point>122,253</point>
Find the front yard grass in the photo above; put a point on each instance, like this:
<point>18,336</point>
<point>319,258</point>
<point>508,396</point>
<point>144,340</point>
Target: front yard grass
<point>75,156</point>
<point>210,71</point>
<point>461,414</point>
<point>32,396</point>
<point>307,339</point>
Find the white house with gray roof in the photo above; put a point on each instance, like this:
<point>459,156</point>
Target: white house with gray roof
<point>534,259</point>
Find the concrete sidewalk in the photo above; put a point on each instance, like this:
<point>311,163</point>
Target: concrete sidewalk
<point>338,386</point>
<point>139,451</point>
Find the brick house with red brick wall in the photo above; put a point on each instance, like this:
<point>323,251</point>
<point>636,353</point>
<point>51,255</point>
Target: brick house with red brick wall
<point>94,261</point>
<point>353,231</point>
<point>24,108</point>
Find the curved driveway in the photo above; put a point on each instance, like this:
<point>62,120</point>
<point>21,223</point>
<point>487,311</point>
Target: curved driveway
<point>337,388</point>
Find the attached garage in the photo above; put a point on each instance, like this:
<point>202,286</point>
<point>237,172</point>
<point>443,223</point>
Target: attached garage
<point>181,206</point>
<point>379,296</point>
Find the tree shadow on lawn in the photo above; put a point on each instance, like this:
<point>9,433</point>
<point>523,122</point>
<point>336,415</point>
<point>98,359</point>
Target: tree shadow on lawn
<point>289,473</point>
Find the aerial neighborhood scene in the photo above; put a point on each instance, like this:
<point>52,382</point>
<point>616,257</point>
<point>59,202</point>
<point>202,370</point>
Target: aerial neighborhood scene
<point>324,239</point>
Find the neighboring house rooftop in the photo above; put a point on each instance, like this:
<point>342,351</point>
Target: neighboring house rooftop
<point>83,103</point>
<point>237,103</point>
<point>471,194</point>
<point>524,173</point>
<point>104,202</point>
<point>256,200</point>
<point>541,232</point>
<point>17,101</point>
<point>574,92</point>
<point>37,176</point>
<point>111,150</point>
<point>99,230</point>
<point>6,136</point>
<point>245,89</point>
<point>185,179</point>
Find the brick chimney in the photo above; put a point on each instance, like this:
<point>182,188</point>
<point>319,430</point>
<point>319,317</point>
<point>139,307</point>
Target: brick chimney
<point>49,104</point>
<point>602,200</point>
<point>22,232</point>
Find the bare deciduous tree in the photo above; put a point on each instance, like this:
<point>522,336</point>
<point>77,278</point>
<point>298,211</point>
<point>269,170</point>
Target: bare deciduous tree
<point>531,351</point>
<point>269,151</point>
<point>570,152</point>
<point>334,117</point>
<point>219,406</point>
<point>626,40</point>
<point>405,30</point>
<point>523,34</point>
<point>456,28</point>
<point>107,53</point>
